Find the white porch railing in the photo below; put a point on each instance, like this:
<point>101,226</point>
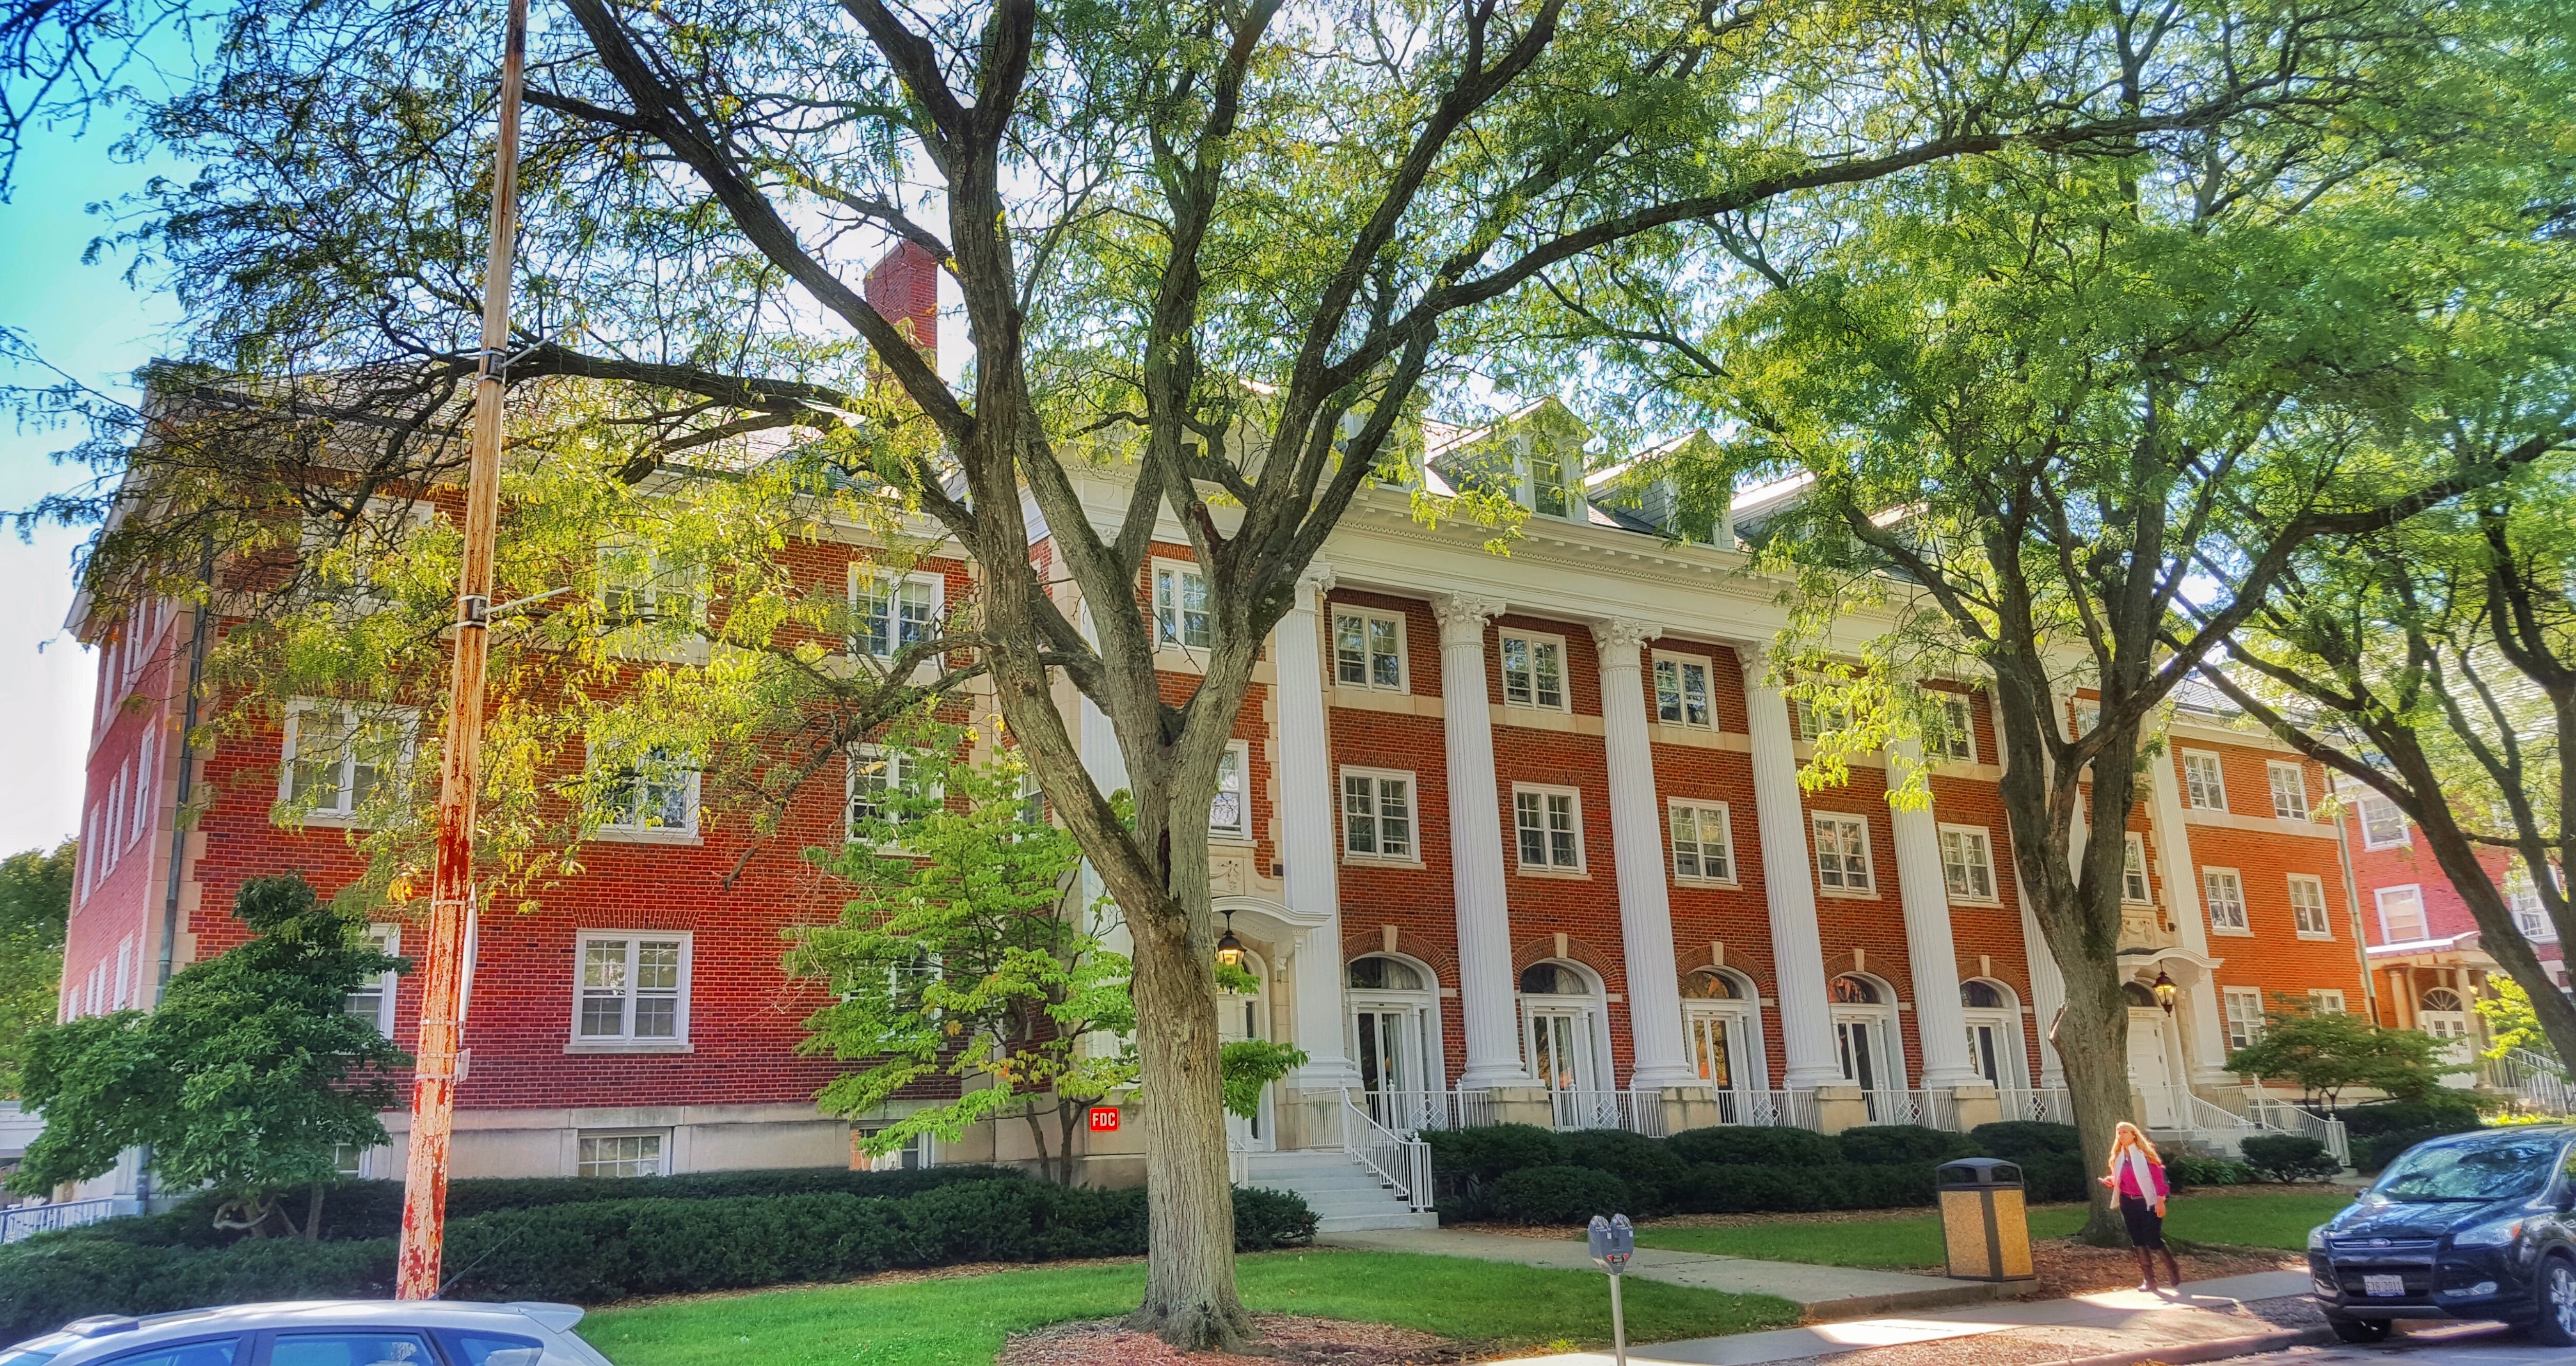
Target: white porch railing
<point>25,1221</point>
<point>1775,1109</point>
<point>1931,1109</point>
<point>1414,1111</point>
<point>2271,1112</point>
<point>1403,1163</point>
<point>1629,1110</point>
<point>2042,1104</point>
<point>2534,1077</point>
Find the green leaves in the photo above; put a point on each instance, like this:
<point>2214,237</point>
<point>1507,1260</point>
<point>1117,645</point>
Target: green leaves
<point>35,903</point>
<point>2328,1052</point>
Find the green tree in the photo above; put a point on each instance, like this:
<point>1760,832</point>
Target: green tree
<point>35,905</point>
<point>247,1079</point>
<point>2328,1052</point>
<point>1230,250</point>
<point>965,953</point>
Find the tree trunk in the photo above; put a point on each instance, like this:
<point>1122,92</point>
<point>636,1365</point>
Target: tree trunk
<point>1066,1122</point>
<point>1190,1298</point>
<point>1038,1139</point>
<point>2094,1046</point>
<point>313,1215</point>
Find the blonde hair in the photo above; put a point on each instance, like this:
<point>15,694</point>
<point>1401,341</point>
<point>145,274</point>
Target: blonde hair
<point>2126,1135</point>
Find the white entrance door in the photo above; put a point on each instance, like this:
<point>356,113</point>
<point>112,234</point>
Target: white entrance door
<point>1995,1051</point>
<point>1388,1044</point>
<point>2441,1013</point>
<point>1720,1052</point>
<point>1561,1049</point>
<point>2150,1071</point>
<point>1239,1016</point>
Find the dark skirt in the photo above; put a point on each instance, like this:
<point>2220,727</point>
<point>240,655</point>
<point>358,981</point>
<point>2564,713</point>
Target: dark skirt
<point>2146,1227</point>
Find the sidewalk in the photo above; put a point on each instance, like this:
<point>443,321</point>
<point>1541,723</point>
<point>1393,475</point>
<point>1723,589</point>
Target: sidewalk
<point>2209,1319</point>
<point>1824,1292</point>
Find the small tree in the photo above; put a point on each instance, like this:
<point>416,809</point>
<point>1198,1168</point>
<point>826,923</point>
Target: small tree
<point>2512,1023</point>
<point>964,954</point>
<point>2329,1052</point>
<point>35,901</point>
<point>247,1079</point>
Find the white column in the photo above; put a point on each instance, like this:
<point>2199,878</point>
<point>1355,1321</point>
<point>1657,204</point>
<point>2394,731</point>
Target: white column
<point>1486,989</point>
<point>2182,887</point>
<point>1637,845</point>
<point>1306,843</point>
<point>1924,892</point>
<point>1789,885</point>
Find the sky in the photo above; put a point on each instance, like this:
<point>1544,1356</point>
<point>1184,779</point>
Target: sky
<point>89,323</point>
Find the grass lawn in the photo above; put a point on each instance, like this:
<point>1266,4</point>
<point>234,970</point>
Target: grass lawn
<point>2274,1220</point>
<point>962,1322</point>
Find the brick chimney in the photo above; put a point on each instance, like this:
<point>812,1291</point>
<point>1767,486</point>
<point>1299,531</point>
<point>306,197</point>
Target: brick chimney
<point>905,288</point>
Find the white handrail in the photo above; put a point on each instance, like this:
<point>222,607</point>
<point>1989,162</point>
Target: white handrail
<point>26,1221</point>
<point>2271,1112</point>
<point>1636,1112</point>
<point>2046,1104</point>
<point>1769,1109</point>
<point>1403,1163</point>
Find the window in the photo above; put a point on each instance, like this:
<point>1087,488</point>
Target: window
<point>2289,790</point>
<point>492,1349</point>
<point>347,1347</point>
<point>1368,650</point>
<point>1816,718</point>
<point>2325,1001</point>
<point>615,1155</point>
<point>658,792</point>
<point>884,784</point>
<point>2244,1016</point>
<point>1181,606</point>
<point>1550,822</point>
<point>2204,786</point>
<point>891,612</point>
<point>338,757</point>
<point>1958,728</point>
<point>635,584</point>
<point>1533,671</point>
<point>373,1001</point>
<point>2382,824</point>
<point>911,1155</point>
<point>1842,853</point>
<point>634,989</point>
<point>1545,478</point>
<point>1230,811</point>
<point>1681,692</point>
<point>2401,915</point>
<point>2529,914</point>
<point>2308,907</point>
<point>1377,815</point>
<point>1967,863</point>
<point>2226,896</point>
<point>141,794</point>
<point>2133,872</point>
<point>1703,842</point>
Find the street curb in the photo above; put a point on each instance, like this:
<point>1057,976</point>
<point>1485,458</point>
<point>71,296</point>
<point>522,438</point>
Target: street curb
<point>2216,1349</point>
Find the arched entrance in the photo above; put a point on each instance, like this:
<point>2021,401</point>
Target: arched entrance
<point>1562,1023</point>
<point>2441,1013</point>
<point>1242,1015</point>
<point>2151,1058</point>
<point>1993,1015</point>
<point>1394,1038</point>
<point>1863,1010</point>
<point>1723,1028</point>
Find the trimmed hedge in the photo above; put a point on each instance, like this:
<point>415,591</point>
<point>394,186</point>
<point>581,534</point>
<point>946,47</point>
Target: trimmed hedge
<point>595,1251</point>
<point>1754,1146</point>
<point>1894,1145</point>
<point>2191,1169</point>
<point>1560,1195</point>
<point>1714,1189</point>
<point>2289,1157</point>
<point>2051,1157</point>
<point>1649,1168</point>
<point>1487,1151</point>
<point>2443,1112</point>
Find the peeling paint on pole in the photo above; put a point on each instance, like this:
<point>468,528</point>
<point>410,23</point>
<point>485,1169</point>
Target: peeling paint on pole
<point>433,1093</point>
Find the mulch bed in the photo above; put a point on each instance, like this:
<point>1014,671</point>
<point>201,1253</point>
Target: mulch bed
<point>1286,1340</point>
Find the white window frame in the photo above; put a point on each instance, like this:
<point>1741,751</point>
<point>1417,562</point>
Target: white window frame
<point>1681,665</point>
<point>661,1141</point>
<point>1171,580</point>
<point>1841,880</point>
<point>2363,808</point>
<point>2234,879</point>
<point>343,807</point>
<point>1958,711</point>
<point>2316,886</point>
<point>387,938</point>
<point>626,1040</point>
<point>2530,913</point>
<point>647,591</point>
<point>1239,752</point>
<point>2204,789</point>
<point>865,575</point>
<point>2423,916</point>
<point>902,770</point>
<point>1963,839</point>
<point>1369,617</point>
<point>1547,830</point>
<point>2326,1000</point>
<point>1534,642</point>
<point>2133,861</point>
<point>1527,451</point>
<point>1701,815</point>
<point>2243,1007</point>
<point>629,811</point>
<point>2290,802</point>
<point>1411,854</point>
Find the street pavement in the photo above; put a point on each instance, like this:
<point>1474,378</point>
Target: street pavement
<point>2429,1344</point>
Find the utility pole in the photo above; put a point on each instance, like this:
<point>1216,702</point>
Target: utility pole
<point>433,1088</point>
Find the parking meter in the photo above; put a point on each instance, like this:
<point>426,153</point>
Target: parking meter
<point>1614,1241</point>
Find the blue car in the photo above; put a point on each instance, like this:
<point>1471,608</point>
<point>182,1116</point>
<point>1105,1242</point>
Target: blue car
<point>2474,1226</point>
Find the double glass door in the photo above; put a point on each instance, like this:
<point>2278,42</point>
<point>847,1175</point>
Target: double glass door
<point>1719,1051</point>
<point>1390,1042</point>
<point>1561,1049</point>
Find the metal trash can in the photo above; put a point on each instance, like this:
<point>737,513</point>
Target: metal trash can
<point>1985,1228</point>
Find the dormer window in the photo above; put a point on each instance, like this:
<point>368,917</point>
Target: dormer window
<point>1547,478</point>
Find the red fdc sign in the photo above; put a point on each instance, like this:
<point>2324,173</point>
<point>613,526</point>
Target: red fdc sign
<point>1104,1119</point>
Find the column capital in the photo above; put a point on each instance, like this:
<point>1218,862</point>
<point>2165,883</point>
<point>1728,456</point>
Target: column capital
<point>1462,618</point>
<point>1623,636</point>
<point>1755,655</point>
<point>1317,575</point>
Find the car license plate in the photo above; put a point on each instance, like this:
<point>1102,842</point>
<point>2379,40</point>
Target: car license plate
<point>2383,1287</point>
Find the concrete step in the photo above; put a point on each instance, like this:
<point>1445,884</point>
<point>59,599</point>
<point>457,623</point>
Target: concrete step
<point>1396,1218</point>
<point>1344,1194</point>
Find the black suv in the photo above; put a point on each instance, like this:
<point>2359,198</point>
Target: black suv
<point>2474,1226</point>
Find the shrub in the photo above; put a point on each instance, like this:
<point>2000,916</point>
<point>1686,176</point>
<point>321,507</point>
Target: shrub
<point>1715,1189</point>
<point>1559,1195</point>
<point>2443,1112</point>
<point>2055,1178</point>
<point>1487,1151</point>
<point>1649,1167</point>
<point>2371,1156</point>
<point>2021,1139</point>
<point>1753,1146</point>
<point>46,1284</point>
<point>2289,1157</point>
<point>1888,1145</point>
<point>2191,1169</point>
<point>1265,1219</point>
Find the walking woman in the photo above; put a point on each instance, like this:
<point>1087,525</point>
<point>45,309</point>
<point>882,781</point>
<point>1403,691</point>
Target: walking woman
<point>2138,1177</point>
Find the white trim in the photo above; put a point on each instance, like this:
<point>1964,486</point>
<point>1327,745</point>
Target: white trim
<point>1682,662</point>
<point>1979,838</point>
<point>343,809</point>
<point>2423,916</point>
<point>2325,917</point>
<point>870,571</point>
<point>1411,856</point>
<point>2273,771</point>
<point>386,935</point>
<point>2204,785</point>
<point>625,1040</point>
<point>1241,831</point>
<point>1368,661</point>
<point>2210,900</point>
<point>1546,828</point>
<point>2362,808</point>
<point>1959,714</point>
<point>2247,1023</point>
<point>1700,808</point>
<point>661,1151</point>
<point>631,824</point>
<point>2136,845</point>
<point>1867,886</point>
<point>1171,623</point>
<point>1533,641</point>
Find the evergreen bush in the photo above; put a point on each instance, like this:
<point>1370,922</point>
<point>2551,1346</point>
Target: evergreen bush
<point>1560,1195</point>
<point>1487,1151</point>
<point>1889,1145</point>
<point>1754,1146</point>
<point>2289,1157</point>
<point>1648,1166</point>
